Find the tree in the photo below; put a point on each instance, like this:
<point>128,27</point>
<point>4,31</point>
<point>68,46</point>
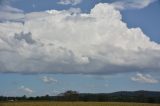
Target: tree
<point>24,97</point>
<point>71,95</point>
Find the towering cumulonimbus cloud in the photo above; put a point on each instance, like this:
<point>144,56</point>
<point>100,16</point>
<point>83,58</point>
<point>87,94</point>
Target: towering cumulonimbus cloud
<point>67,42</point>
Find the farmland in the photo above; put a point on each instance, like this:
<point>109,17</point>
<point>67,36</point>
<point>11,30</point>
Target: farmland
<point>29,103</point>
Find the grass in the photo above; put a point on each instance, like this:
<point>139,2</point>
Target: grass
<point>74,104</point>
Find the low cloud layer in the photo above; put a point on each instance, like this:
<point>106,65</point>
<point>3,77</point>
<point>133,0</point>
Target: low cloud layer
<point>146,78</point>
<point>78,43</point>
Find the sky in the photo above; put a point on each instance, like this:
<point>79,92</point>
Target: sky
<point>90,46</point>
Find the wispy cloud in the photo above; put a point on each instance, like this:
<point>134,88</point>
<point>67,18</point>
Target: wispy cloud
<point>106,85</point>
<point>9,13</point>
<point>4,2</point>
<point>144,78</point>
<point>69,2</point>
<point>48,80</point>
<point>127,4</point>
<point>26,90</point>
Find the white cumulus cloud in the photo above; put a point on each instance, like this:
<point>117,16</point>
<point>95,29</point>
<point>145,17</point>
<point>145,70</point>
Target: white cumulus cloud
<point>126,4</point>
<point>62,42</point>
<point>48,80</point>
<point>67,2</point>
<point>144,78</point>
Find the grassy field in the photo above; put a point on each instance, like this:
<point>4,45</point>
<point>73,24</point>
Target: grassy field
<point>74,104</point>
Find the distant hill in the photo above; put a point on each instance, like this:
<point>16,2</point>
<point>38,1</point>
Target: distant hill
<point>121,96</point>
<point>137,93</point>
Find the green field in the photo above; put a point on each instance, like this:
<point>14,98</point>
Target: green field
<point>74,104</point>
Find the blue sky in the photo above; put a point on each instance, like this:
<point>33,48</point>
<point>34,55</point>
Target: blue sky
<point>21,74</point>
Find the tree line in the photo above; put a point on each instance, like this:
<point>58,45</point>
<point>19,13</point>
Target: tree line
<point>123,96</point>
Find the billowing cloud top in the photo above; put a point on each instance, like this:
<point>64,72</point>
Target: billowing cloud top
<point>67,42</point>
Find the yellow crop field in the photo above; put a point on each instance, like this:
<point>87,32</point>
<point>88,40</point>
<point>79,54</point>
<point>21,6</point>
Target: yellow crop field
<point>74,104</point>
